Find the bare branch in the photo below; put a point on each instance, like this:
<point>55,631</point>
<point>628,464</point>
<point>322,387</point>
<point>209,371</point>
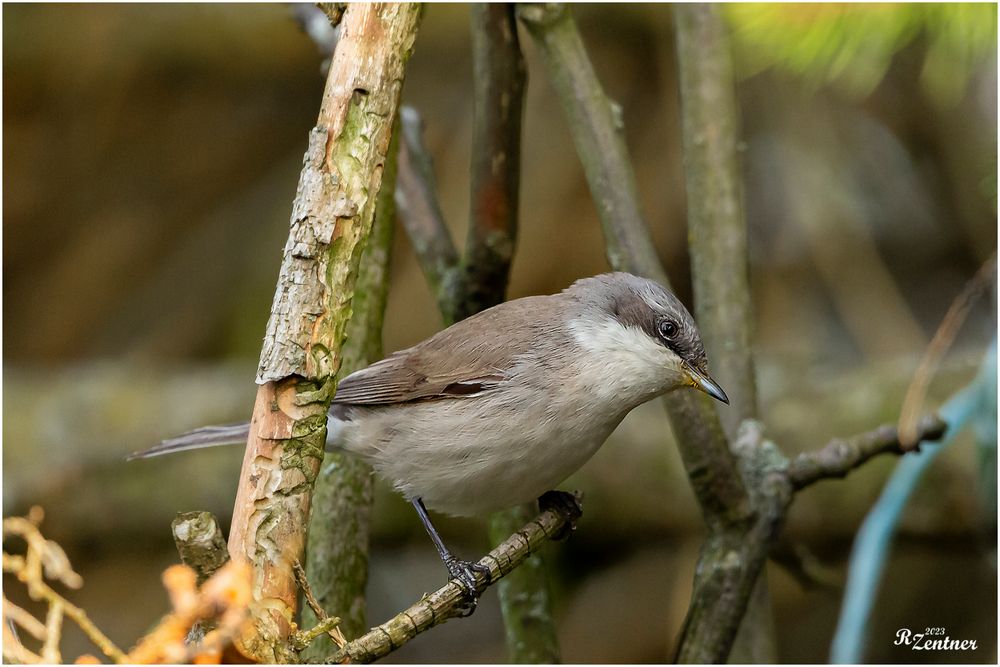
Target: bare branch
<point>839,457</point>
<point>419,211</point>
<point>46,559</point>
<point>498,103</point>
<point>718,244</point>
<point>449,600</point>
<point>943,338</point>
<point>717,232</point>
<point>596,126</point>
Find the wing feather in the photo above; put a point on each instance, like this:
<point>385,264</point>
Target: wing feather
<point>459,361</point>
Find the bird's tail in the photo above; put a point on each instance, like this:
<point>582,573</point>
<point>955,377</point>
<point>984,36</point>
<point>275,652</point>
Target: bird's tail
<point>206,436</point>
<point>234,434</point>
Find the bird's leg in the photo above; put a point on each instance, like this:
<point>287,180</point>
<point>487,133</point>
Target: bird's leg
<point>462,571</point>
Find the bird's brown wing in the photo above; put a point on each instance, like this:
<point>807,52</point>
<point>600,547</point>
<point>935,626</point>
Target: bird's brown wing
<point>467,358</point>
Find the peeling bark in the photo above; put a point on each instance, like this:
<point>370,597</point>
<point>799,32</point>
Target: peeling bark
<point>331,218</point>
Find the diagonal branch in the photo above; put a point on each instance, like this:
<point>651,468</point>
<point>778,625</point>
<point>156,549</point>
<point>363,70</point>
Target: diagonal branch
<point>419,210</point>
<point>448,601</point>
<point>839,457</point>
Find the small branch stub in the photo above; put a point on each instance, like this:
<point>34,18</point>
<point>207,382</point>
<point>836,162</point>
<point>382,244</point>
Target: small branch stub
<point>200,542</point>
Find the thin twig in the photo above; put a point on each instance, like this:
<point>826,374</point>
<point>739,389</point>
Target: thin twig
<point>419,210</point>
<point>53,633</point>
<point>326,626</point>
<point>45,558</point>
<point>914,401</point>
<point>15,614</point>
<point>449,600</point>
<point>306,637</point>
<point>839,457</point>
<point>14,651</point>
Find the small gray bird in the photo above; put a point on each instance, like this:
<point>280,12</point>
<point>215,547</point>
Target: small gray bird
<point>501,407</point>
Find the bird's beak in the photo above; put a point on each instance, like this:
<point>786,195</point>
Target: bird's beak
<point>702,380</point>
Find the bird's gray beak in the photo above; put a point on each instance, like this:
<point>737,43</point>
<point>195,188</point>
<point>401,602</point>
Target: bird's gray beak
<point>702,380</point>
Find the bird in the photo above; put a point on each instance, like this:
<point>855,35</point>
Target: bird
<point>501,407</point>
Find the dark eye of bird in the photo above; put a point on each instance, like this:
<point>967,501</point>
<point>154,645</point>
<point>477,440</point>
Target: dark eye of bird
<point>668,329</point>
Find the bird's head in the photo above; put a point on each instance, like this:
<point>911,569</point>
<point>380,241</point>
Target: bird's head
<point>647,337</point>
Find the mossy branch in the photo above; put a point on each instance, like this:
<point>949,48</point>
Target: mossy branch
<point>337,548</point>
<point>332,216</point>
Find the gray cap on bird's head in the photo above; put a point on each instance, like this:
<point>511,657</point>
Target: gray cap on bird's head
<point>649,307</point>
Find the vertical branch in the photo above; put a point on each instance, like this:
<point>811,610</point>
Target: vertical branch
<point>337,549</point>
<point>331,218</point>
<point>597,125</point>
<point>498,104</point>
<point>420,212</point>
<point>718,243</point>
<point>716,229</point>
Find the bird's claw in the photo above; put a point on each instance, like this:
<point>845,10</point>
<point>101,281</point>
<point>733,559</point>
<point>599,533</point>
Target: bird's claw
<point>463,573</point>
<point>566,504</point>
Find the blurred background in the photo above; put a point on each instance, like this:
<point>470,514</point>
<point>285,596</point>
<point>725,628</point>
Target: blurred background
<point>150,157</point>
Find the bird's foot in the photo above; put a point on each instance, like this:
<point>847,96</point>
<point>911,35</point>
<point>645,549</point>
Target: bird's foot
<point>463,573</point>
<point>566,504</point>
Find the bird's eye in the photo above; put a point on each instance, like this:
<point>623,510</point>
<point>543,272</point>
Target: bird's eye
<point>668,329</point>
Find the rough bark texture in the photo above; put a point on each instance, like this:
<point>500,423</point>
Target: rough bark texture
<point>337,548</point>
<point>717,238</point>
<point>200,542</point>
<point>331,218</point>
<point>449,601</point>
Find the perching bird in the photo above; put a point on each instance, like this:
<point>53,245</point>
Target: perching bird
<point>503,406</point>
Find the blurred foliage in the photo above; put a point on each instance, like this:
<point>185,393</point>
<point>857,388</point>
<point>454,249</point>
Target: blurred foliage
<point>852,45</point>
